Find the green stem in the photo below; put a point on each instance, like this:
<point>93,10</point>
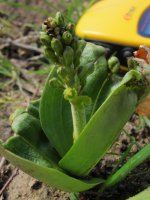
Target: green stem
<point>132,163</point>
<point>79,120</point>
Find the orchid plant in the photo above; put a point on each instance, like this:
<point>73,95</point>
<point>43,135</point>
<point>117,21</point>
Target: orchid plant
<point>86,102</point>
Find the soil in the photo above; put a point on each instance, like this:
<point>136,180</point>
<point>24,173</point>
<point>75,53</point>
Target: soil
<point>135,182</point>
<point>28,76</point>
<point>138,179</point>
<point>22,26</point>
<point>24,187</point>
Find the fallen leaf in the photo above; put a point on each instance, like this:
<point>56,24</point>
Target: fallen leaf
<point>143,53</point>
<point>142,56</point>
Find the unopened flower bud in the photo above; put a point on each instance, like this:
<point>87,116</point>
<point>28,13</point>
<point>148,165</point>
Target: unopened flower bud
<point>74,44</point>
<point>59,19</point>
<point>68,56</point>
<point>57,46</point>
<point>67,37</point>
<point>61,71</point>
<point>45,39</point>
<point>53,23</point>
<point>70,27</point>
<point>57,30</point>
<point>48,22</point>
<point>113,64</point>
<point>43,27</point>
<point>50,32</point>
<point>70,93</point>
<point>49,53</point>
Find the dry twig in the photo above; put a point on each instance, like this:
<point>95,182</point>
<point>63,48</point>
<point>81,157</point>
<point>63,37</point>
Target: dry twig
<point>14,173</point>
<point>2,162</point>
<point>15,43</point>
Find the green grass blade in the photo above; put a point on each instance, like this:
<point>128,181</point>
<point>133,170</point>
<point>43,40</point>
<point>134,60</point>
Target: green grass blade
<point>56,120</point>
<point>132,163</point>
<point>6,67</point>
<point>25,6</point>
<point>32,163</point>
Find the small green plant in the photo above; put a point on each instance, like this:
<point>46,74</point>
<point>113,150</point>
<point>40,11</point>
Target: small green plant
<point>72,9</point>
<point>85,103</point>
<point>25,6</point>
<point>6,67</point>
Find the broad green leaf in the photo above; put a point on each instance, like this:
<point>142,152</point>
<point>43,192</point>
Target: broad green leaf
<point>33,108</point>
<point>104,91</point>
<point>89,148</point>
<point>93,72</point>
<point>144,195</point>
<point>90,54</point>
<point>29,128</point>
<point>95,80</point>
<point>31,162</point>
<point>22,148</point>
<point>55,116</point>
<point>113,82</point>
<point>94,69</point>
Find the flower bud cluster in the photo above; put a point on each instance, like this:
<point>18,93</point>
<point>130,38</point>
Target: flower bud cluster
<point>57,35</point>
<point>60,46</point>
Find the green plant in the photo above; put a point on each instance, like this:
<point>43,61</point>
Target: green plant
<point>85,104</point>
<point>6,67</point>
<point>76,8</point>
<point>9,71</point>
<point>72,9</point>
<point>25,6</point>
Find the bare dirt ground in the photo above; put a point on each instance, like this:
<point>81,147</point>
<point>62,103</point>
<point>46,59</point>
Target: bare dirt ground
<point>19,43</point>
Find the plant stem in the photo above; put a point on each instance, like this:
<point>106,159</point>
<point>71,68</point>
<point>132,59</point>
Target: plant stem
<point>79,120</point>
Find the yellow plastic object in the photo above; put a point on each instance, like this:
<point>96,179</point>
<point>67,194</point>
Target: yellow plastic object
<point>122,22</point>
